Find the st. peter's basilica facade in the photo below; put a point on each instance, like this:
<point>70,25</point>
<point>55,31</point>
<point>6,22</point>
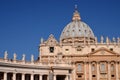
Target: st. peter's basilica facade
<point>76,56</point>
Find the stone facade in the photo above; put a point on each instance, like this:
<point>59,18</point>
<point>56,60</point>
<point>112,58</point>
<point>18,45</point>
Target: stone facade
<point>77,56</point>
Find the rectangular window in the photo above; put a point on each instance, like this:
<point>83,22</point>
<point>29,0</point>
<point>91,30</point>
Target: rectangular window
<point>92,50</point>
<point>112,75</point>
<point>102,67</point>
<point>79,67</point>
<point>93,67</point>
<point>93,76</point>
<point>80,76</point>
<point>66,50</point>
<point>111,49</point>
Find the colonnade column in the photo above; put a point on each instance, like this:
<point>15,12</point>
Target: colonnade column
<point>14,76</point>
<point>40,77</point>
<point>109,71</point>
<point>98,72</point>
<point>69,77</point>
<point>48,77</point>
<point>23,76</point>
<point>85,70</point>
<point>54,77</point>
<point>66,77</point>
<point>117,78</point>
<point>5,76</point>
<point>32,76</point>
<point>90,74</point>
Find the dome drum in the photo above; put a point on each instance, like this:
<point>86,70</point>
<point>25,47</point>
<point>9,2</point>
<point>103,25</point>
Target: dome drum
<point>78,40</point>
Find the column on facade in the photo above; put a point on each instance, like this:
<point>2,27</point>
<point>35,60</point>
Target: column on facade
<point>14,76</point>
<point>90,74</point>
<point>5,76</point>
<point>98,72</point>
<point>32,77</point>
<point>54,77</point>
<point>23,76</point>
<point>117,77</point>
<point>74,73</point>
<point>109,71</point>
<point>85,75</point>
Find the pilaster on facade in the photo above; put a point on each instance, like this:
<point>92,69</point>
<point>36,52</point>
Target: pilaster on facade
<point>85,73</point>
<point>90,73</point>
<point>117,70</point>
<point>98,72</point>
<point>109,71</point>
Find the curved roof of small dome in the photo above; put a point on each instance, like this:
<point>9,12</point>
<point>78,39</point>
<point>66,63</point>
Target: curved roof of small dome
<point>76,28</point>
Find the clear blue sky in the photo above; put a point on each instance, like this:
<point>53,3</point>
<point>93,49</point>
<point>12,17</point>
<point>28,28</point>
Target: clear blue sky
<point>23,23</point>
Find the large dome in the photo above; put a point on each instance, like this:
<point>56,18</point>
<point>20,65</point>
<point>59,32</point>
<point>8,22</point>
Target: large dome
<point>76,29</point>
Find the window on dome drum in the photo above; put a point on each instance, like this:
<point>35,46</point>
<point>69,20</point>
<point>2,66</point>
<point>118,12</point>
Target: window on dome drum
<point>51,49</point>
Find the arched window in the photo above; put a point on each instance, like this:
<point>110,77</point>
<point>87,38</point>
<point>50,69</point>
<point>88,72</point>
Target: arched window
<point>102,67</point>
<point>112,67</point>
<point>51,49</point>
<point>93,67</point>
<point>79,67</point>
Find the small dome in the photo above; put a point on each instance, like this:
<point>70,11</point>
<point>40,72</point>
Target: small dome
<point>76,29</point>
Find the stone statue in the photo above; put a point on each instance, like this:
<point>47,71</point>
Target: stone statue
<point>107,40</point>
<point>32,58</point>
<point>41,40</point>
<point>114,39</point>
<point>23,57</point>
<point>14,56</point>
<point>6,55</point>
<point>118,40</point>
<point>102,39</point>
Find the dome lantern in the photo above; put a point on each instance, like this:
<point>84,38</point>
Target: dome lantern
<point>76,15</point>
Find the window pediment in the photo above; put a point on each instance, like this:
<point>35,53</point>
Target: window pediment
<point>103,51</point>
<point>51,41</point>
